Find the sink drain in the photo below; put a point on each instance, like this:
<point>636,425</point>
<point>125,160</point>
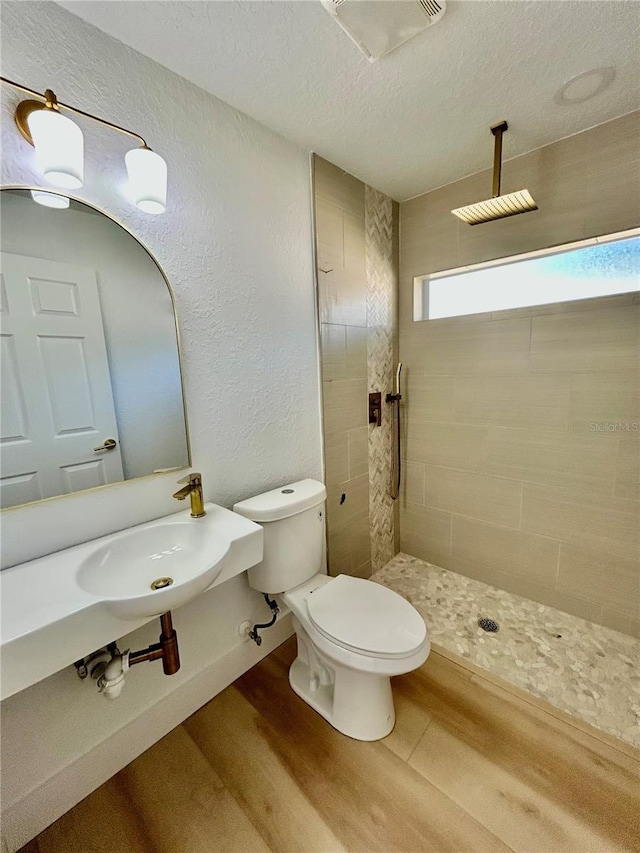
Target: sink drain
<point>488,625</point>
<point>161,583</point>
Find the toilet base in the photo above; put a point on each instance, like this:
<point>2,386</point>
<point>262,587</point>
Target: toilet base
<point>358,704</point>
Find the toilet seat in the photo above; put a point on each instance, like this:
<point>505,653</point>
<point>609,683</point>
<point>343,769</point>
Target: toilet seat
<point>366,618</point>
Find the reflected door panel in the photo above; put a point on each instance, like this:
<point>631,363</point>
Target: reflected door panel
<point>57,401</point>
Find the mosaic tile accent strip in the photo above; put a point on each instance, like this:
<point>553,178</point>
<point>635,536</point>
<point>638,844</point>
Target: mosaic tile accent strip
<point>381,323</point>
<point>584,669</point>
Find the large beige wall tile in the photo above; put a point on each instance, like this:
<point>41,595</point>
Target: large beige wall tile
<point>572,306</point>
<point>475,495</point>
<point>342,286</point>
<point>363,571</point>
<point>343,511</point>
<point>349,548</point>
<point>572,602</point>
<point>503,549</point>
<point>613,618</point>
<point>628,468</point>
<point>338,553</point>
<point>528,402</point>
<point>345,404</point>
<point>558,224</point>
<point>358,446</point>
<point>354,243</point>
<point>342,296</point>
<point>329,234</point>
<point>614,202</point>
<point>600,577</point>
<point>604,398</point>
<point>613,142</point>
<point>405,306</point>
<point>627,612</point>
<point>554,458</point>
<point>337,186</point>
<point>517,584</point>
<point>580,518</point>
<point>426,251</point>
<point>586,341</point>
<point>336,456</point>
<point>356,352</point>
<point>413,490</point>
<point>475,347</point>
<point>529,587</point>
<point>349,543</point>
<point>427,397</point>
<point>412,351</point>
<point>426,533</point>
<point>333,350</point>
<point>449,445</point>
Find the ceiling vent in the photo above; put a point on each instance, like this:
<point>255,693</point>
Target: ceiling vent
<point>379,26</point>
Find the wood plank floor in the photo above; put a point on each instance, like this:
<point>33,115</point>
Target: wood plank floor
<point>469,767</point>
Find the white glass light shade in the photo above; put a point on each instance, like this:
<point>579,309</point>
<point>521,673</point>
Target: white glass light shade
<point>147,179</point>
<point>60,202</point>
<point>59,148</point>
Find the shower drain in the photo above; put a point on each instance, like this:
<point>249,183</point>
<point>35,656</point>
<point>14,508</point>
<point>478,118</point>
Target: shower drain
<point>488,625</point>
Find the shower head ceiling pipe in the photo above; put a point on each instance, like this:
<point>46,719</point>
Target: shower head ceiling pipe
<point>499,206</point>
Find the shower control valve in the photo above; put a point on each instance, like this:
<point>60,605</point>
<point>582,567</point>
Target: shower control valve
<point>375,408</point>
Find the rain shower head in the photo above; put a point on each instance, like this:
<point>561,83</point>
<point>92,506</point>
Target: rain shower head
<point>498,206</point>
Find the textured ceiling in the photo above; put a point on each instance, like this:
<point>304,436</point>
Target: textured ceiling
<point>417,118</point>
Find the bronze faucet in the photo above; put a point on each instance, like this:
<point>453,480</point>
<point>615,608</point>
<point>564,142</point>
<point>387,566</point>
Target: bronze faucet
<point>194,490</point>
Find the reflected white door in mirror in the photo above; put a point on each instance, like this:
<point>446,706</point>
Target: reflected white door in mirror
<point>91,388</point>
<point>55,367</point>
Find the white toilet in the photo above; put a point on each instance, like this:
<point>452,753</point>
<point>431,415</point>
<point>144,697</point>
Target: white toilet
<point>353,634</point>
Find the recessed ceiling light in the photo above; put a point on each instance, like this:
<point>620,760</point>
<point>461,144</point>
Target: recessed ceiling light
<point>584,86</point>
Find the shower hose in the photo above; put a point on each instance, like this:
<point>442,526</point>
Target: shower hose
<point>396,463</point>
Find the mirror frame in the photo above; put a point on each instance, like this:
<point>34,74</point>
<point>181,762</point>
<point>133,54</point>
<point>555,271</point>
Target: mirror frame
<point>29,187</point>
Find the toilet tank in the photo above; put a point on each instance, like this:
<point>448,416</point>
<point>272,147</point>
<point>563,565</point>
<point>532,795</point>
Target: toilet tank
<point>293,521</point>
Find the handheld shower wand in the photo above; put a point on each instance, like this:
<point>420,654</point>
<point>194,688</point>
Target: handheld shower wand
<point>396,464</point>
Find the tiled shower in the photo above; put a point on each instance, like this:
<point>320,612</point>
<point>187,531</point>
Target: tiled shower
<point>357,261</point>
<point>506,480</point>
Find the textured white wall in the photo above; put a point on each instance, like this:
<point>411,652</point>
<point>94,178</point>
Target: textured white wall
<point>235,243</point>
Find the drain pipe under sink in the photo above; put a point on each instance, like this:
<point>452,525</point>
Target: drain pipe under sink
<point>108,666</point>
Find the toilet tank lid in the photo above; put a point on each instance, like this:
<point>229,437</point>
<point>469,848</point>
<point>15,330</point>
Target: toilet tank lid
<point>283,501</point>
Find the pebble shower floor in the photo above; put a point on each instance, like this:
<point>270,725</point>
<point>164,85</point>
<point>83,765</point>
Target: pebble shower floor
<point>584,669</point>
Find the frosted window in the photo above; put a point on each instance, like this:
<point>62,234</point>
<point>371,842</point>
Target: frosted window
<point>593,269</point>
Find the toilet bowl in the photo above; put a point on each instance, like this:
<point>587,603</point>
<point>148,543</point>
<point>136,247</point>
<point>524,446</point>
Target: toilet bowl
<point>352,634</point>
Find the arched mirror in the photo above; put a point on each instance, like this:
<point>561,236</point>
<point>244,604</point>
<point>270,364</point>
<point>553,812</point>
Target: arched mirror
<point>91,389</point>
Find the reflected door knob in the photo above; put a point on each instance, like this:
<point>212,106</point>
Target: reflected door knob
<point>109,444</point>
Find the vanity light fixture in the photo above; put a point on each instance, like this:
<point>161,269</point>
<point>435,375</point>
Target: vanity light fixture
<point>58,141</point>
<point>147,179</point>
<point>59,146</point>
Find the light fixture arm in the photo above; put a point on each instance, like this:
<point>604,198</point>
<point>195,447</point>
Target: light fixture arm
<point>498,130</point>
<point>25,108</point>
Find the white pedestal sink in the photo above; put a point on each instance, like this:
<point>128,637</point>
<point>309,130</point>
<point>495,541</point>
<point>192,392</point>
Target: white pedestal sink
<point>58,608</point>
